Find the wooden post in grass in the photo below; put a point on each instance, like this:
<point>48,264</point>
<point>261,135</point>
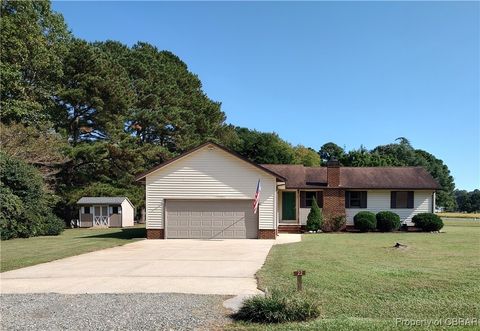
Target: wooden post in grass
<point>299,274</point>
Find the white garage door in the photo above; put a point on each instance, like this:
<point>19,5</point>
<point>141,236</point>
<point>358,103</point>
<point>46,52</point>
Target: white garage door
<point>212,219</point>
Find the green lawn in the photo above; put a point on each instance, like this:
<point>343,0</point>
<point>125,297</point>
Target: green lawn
<point>19,253</point>
<point>363,283</point>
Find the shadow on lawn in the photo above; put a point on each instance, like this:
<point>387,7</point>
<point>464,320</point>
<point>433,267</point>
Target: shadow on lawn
<point>127,233</point>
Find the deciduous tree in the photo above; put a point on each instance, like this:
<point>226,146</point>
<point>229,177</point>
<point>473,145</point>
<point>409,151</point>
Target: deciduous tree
<point>331,150</point>
<point>306,156</point>
<point>33,43</point>
<point>263,147</point>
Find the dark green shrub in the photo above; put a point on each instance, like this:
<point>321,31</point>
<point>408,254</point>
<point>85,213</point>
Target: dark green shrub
<point>365,221</point>
<point>26,209</point>
<point>428,222</point>
<point>52,226</point>
<point>278,307</point>
<point>10,212</point>
<point>387,221</point>
<point>314,218</point>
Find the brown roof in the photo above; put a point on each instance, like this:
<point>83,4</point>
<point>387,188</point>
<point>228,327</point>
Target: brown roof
<point>141,176</point>
<point>299,176</point>
<point>387,177</point>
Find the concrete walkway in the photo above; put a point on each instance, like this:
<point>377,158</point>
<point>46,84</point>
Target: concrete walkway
<point>151,266</point>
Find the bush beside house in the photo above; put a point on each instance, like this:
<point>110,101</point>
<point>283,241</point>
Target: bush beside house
<point>314,218</point>
<point>365,221</point>
<point>428,222</point>
<point>387,221</point>
<point>334,223</point>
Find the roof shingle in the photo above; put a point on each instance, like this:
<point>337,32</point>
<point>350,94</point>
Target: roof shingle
<point>102,200</point>
<point>299,176</point>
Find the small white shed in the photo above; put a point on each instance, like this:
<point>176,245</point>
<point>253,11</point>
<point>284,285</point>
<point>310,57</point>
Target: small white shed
<point>107,212</point>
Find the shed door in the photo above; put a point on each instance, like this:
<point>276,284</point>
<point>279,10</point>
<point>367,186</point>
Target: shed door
<point>100,216</point>
<point>214,219</point>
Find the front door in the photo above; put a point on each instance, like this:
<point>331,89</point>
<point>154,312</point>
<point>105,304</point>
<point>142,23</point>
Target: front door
<point>289,206</point>
<point>100,216</point>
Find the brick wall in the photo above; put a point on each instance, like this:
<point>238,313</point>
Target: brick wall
<point>333,202</point>
<point>267,234</point>
<point>155,234</point>
<point>333,196</point>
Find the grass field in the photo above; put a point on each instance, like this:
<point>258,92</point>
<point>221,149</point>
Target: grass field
<point>19,253</point>
<point>363,283</point>
<point>459,215</point>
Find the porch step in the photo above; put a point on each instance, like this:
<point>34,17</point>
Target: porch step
<point>290,228</point>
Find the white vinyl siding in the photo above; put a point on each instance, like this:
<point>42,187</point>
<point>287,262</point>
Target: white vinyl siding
<point>380,201</point>
<point>209,173</point>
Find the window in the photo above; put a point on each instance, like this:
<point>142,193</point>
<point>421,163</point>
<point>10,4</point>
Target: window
<point>356,199</point>
<point>401,199</point>
<point>86,210</point>
<point>307,197</point>
<point>115,210</point>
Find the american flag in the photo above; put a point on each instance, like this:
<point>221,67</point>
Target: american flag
<point>256,199</point>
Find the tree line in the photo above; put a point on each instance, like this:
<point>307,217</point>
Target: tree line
<point>468,202</point>
<point>86,117</point>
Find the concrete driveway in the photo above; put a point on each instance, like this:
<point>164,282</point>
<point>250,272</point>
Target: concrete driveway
<point>151,266</point>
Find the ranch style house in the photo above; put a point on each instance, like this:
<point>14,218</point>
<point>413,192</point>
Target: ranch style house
<point>208,192</point>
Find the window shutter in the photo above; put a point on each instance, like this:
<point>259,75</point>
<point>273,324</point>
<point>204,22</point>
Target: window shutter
<point>347,199</point>
<point>363,199</point>
<point>320,199</point>
<point>393,199</point>
<point>303,199</point>
<point>410,199</point>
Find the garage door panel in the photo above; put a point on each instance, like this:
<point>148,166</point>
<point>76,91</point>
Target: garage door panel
<point>218,219</point>
<point>218,224</point>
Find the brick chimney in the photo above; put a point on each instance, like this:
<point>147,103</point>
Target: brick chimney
<point>333,173</point>
<point>333,195</point>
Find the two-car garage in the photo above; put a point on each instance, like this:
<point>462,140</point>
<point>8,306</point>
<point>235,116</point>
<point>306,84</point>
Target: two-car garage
<point>210,219</point>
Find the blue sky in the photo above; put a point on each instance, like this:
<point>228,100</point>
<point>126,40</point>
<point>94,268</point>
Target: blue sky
<point>352,73</point>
